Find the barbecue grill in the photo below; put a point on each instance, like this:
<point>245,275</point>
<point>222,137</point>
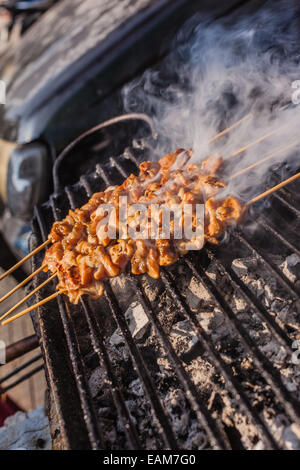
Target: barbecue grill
<point>213,365</point>
<point>205,357</point>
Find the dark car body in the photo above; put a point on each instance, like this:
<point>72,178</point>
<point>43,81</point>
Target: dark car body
<point>65,76</point>
<point>76,55</point>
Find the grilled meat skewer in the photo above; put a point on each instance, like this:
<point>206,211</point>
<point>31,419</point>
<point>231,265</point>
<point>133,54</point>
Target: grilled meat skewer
<point>83,254</point>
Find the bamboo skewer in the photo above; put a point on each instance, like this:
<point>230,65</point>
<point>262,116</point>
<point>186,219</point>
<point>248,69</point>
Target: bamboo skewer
<point>28,296</point>
<point>260,139</point>
<point>33,307</point>
<point>272,190</point>
<point>268,157</point>
<point>228,129</point>
<point>21,284</point>
<point>16,266</point>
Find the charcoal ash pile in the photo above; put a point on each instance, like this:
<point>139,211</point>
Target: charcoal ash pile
<point>209,382</point>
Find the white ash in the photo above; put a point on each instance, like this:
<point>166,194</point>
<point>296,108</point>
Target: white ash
<point>26,431</point>
<point>234,418</point>
<point>96,381</point>
<point>183,425</point>
<point>242,265</point>
<point>267,289</point>
<point>183,336</point>
<point>196,294</point>
<point>137,321</point>
<point>201,369</point>
<point>291,437</point>
<point>122,289</point>
<point>116,338</point>
<point>288,435</point>
<point>291,267</point>
<point>291,378</point>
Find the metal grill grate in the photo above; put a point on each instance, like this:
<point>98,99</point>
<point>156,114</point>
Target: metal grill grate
<point>69,360</point>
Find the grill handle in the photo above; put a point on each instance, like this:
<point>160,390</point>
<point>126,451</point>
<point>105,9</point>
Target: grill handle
<point>21,347</point>
<point>110,122</point>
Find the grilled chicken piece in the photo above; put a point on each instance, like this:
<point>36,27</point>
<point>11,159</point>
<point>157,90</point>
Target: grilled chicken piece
<point>84,254</point>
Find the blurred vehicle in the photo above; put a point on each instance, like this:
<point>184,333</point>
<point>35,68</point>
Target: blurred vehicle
<point>17,16</point>
<point>64,76</point>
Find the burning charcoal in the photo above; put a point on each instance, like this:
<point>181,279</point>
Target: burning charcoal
<point>122,289</point>
<point>196,294</point>
<point>291,267</point>
<point>137,319</point>
<point>242,265</point>
<point>183,336</point>
<point>271,350</point>
<point>281,309</point>
<point>116,339</point>
<point>175,402</point>
<point>96,381</point>
<point>240,303</point>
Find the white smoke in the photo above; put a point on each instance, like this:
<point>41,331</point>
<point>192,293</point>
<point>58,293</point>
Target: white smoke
<point>220,72</point>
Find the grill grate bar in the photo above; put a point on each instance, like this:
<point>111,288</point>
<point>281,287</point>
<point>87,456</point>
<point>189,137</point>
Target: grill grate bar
<point>271,375</point>
<point>101,172</point>
<point>143,372</point>
<point>213,428</point>
<point>232,384</point>
<point>118,167</point>
<point>129,155</point>
<point>278,235</point>
<point>283,280</point>
<point>283,201</point>
<point>287,194</point>
<point>248,296</point>
<point>89,412</point>
<point>65,390</point>
<point>137,358</point>
<point>100,350</point>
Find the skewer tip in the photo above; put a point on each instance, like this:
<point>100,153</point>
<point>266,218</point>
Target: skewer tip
<point>27,257</point>
<point>33,307</point>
